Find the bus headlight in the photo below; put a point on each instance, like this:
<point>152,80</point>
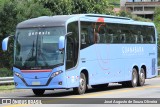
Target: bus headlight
<point>56,73</point>
<point>18,75</point>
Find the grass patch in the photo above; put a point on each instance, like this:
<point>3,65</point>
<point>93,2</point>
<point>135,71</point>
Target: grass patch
<point>5,72</point>
<point>6,88</point>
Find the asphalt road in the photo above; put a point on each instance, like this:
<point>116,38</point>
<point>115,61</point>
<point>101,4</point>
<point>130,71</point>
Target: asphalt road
<point>150,90</point>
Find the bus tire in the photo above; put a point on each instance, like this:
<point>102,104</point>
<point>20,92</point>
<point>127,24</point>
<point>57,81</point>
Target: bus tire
<point>134,81</point>
<point>100,86</point>
<point>141,79</point>
<point>82,85</point>
<point>38,92</point>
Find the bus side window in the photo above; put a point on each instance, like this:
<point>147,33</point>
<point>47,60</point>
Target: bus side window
<point>102,34</point>
<point>109,35</point>
<point>136,38</point>
<point>117,36</point>
<point>151,39</point>
<point>90,35</point>
<point>141,38</point>
<point>102,38</point>
<point>114,38</point>
<point>109,38</point>
<point>96,37</point>
<point>122,38</point>
<point>151,35</point>
<point>87,33</point>
<point>83,38</point>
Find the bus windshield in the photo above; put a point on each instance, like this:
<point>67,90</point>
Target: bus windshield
<point>37,48</point>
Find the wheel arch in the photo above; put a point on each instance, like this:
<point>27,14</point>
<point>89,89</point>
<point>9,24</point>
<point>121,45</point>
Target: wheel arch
<point>136,67</point>
<point>85,71</point>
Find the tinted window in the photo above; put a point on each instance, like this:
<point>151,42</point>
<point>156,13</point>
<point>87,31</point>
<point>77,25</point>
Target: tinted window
<point>87,34</point>
<point>72,45</point>
<point>97,32</point>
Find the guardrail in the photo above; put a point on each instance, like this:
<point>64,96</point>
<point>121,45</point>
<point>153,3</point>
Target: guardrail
<point>6,80</point>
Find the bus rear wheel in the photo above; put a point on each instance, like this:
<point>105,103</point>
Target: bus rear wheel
<point>141,79</point>
<point>100,86</point>
<point>38,92</point>
<point>134,81</point>
<point>82,85</point>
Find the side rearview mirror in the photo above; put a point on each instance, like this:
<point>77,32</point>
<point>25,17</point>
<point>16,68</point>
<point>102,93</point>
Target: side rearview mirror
<point>62,40</point>
<point>5,43</point>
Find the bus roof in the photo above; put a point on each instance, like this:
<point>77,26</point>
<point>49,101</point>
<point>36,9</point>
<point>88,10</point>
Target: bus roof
<point>60,20</point>
<point>45,21</point>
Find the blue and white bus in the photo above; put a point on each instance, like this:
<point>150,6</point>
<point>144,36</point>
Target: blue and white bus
<point>74,51</point>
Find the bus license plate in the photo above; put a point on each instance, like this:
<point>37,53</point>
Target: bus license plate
<point>36,83</point>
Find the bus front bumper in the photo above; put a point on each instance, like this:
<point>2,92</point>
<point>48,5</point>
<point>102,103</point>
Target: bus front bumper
<point>41,83</point>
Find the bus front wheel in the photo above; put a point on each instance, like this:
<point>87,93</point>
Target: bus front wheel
<point>38,92</point>
<point>82,85</point>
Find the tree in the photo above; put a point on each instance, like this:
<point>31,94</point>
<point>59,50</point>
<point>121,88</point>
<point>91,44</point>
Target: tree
<point>11,13</point>
<point>14,11</point>
<point>102,7</point>
<point>58,7</point>
<point>7,23</point>
<point>28,9</point>
<point>61,7</point>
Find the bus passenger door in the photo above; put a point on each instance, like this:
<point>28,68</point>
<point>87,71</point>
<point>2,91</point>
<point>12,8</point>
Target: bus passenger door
<point>72,49</point>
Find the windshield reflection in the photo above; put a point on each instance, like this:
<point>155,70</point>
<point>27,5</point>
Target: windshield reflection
<point>38,48</point>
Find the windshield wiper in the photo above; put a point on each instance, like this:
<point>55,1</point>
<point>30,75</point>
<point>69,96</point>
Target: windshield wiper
<point>30,54</point>
<point>40,53</point>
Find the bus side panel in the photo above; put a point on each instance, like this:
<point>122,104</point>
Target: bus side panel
<point>114,63</point>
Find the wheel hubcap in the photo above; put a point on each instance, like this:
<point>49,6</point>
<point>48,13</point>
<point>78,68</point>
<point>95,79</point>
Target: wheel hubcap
<point>142,78</point>
<point>82,83</point>
<point>134,78</point>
